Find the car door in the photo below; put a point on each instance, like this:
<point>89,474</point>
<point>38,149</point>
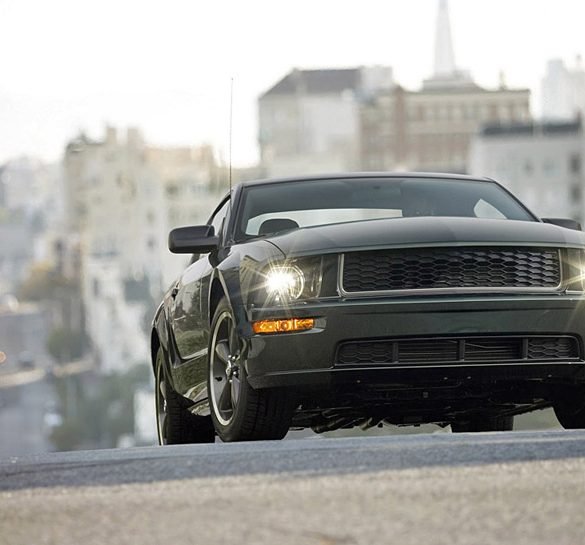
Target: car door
<point>190,325</point>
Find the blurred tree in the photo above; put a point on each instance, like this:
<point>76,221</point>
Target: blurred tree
<point>61,296</point>
<point>66,436</point>
<point>102,413</point>
<point>65,344</point>
<point>45,283</point>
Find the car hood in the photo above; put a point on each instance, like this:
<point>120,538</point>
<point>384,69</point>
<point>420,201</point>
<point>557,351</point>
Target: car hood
<point>427,231</point>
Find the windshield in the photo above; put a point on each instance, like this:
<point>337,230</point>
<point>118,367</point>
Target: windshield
<point>271,208</point>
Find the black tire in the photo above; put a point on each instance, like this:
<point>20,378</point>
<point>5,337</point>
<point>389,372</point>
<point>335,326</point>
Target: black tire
<point>570,409</point>
<point>479,424</point>
<point>244,414</point>
<point>175,424</point>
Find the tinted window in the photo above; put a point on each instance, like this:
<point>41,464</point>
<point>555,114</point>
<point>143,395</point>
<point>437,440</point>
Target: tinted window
<point>217,219</point>
<point>286,205</point>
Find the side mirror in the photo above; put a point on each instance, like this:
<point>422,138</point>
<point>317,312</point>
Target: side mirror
<point>198,239</point>
<point>566,223</point>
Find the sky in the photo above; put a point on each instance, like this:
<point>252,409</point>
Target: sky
<point>166,66</point>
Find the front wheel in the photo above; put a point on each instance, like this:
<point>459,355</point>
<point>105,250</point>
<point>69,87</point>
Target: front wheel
<point>175,425</point>
<point>239,412</point>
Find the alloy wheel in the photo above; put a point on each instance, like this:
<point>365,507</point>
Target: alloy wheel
<point>224,368</point>
<point>161,405</point>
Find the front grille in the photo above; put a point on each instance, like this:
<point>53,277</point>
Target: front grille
<point>549,349</point>
<point>498,349</point>
<point>449,268</point>
<point>495,349</point>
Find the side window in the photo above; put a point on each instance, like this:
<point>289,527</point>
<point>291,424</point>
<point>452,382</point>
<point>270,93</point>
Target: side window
<point>217,219</point>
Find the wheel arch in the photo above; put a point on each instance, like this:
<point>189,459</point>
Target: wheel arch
<point>216,293</point>
<point>158,335</point>
<point>154,346</point>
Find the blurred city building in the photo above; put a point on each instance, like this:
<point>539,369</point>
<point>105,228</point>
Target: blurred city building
<point>123,197</point>
<point>37,307</point>
<point>446,73</point>
<point>31,210</point>
<point>360,119</point>
<point>24,329</point>
<point>542,163</point>
<point>25,185</point>
<point>310,120</point>
<point>431,129</point>
<point>563,90</point>
<point>17,253</point>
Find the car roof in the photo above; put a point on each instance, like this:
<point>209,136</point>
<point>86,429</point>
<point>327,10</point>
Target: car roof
<point>356,175</point>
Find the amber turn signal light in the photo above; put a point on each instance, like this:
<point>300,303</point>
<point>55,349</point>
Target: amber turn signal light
<point>283,326</point>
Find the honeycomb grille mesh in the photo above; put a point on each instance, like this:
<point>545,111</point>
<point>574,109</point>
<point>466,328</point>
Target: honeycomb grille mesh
<point>461,267</point>
<point>547,349</point>
<point>458,350</point>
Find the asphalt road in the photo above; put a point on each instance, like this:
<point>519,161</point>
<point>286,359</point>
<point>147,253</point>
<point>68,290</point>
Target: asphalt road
<point>496,488</point>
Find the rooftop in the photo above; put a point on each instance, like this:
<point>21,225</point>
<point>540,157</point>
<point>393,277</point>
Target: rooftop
<point>330,80</point>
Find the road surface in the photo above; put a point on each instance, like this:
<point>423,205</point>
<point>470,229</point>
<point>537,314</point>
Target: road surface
<point>515,487</point>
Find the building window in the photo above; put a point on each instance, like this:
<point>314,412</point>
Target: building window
<point>575,164</point>
<point>172,190</point>
<point>512,112</point>
<point>493,112</point>
<point>548,167</point>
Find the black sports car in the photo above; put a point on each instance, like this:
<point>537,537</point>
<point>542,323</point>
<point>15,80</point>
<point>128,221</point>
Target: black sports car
<point>364,299</point>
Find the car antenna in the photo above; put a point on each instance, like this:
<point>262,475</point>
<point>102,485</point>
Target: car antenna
<point>230,140</point>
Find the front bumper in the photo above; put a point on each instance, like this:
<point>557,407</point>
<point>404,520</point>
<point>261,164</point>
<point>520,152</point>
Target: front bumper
<point>309,358</point>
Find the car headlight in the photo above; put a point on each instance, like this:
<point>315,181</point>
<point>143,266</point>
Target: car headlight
<point>285,282</point>
<point>293,281</point>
